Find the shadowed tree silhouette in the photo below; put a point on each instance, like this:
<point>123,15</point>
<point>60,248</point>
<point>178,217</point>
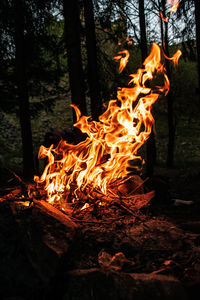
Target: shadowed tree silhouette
<point>92,66</point>
<point>197,20</point>
<point>71,15</point>
<point>150,148</point>
<point>22,89</point>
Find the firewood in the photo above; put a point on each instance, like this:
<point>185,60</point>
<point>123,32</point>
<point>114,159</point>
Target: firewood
<point>11,196</point>
<point>52,211</point>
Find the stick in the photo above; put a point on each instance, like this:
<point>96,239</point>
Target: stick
<point>48,209</point>
<point>10,196</point>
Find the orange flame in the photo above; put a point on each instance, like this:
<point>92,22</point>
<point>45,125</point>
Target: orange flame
<point>165,19</point>
<point>111,142</point>
<point>175,57</point>
<point>129,41</point>
<point>174,5</point>
<point>123,59</point>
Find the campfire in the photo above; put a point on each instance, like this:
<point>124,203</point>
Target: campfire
<point>100,175</point>
<point>99,170</point>
<point>80,225</point>
<point>83,229</point>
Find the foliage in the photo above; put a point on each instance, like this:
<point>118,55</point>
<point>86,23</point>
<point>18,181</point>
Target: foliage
<point>115,20</point>
<point>45,54</point>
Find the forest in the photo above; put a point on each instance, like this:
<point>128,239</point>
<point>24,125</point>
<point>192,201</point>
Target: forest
<point>99,149</point>
<point>55,53</point>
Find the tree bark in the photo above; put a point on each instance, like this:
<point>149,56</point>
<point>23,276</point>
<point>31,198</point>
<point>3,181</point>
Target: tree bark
<point>170,102</point>
<point>197,20</point>
<point>22,90</point>
<point>93,74</point>
<point>151,147</point>
<point>73,44</point>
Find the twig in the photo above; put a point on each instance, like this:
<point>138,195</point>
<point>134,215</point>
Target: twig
<point>91,222</point>
<point>126,208</point>
<point>121,181</point>
<point>23,184</point>
<point>9,197</point>
<point>114,194</point>
<point>98,222</point>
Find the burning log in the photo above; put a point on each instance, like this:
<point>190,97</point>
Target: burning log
<point>48,210</point>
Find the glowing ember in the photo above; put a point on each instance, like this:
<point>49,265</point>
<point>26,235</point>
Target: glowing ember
<point>112,142</point>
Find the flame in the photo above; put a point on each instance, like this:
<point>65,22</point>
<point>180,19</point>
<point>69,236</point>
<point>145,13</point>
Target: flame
<point>129,41</point>
<point>111,143</point>
<point>86,205</point>
<point>123,59</point>
<point>165,19</point>
<point>175,57</point>
<point>174,5</point>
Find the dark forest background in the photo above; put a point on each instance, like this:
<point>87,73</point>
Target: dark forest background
<point>53,53</point>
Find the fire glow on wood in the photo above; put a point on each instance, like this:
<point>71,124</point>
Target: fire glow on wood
<point>92,166</point>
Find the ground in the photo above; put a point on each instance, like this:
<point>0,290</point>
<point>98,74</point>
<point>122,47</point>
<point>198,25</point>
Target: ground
<point>162,239</point>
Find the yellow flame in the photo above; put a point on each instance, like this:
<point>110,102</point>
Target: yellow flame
<point>111,142</point>
<point>123,59</point>
<point>175,57</point>
<point>86,205</point>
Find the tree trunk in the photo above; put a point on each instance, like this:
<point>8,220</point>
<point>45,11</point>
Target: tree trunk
<point>93,74</point>
<point>73,45</point>
<point>22,90</point>
<point>170,104</point>
<point>143,37</point>
<point>151,147</point>
<point>197,20</point>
